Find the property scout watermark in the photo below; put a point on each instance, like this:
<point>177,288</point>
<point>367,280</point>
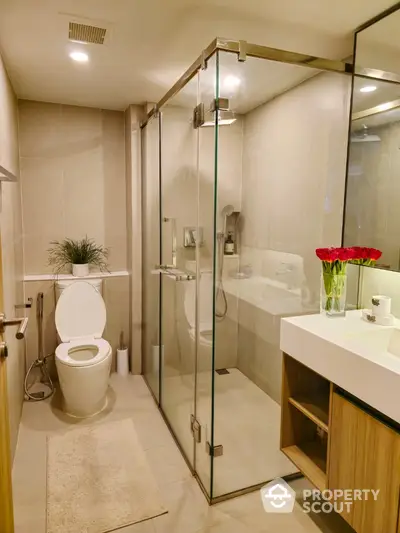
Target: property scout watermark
<point>278,497</point>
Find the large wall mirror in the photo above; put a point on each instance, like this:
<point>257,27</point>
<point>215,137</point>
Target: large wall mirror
<point>372,208</point>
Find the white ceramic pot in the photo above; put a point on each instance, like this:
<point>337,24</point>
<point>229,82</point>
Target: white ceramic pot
<point>80,270</point>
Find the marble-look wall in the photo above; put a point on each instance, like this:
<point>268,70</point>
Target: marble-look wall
<point>294,159</point>
<point>74,183</point>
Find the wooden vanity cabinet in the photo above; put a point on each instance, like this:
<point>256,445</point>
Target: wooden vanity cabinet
<point>339,443</point>
<point>365,454</point>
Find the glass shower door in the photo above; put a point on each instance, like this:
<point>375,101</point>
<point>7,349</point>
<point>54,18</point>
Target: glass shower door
<point>179,234</point>
<point>150,138</point>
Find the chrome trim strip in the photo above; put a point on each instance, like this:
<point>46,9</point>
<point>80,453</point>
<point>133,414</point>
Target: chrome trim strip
<point>381,108</point>
<point>376,74</point>
<point>244,49</point>
<point>284,56</point>
<point>378,18</point>
<point>183,80</point>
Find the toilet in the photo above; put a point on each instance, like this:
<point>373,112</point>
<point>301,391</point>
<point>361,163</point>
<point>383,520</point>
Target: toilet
<point>83,359</point>
<point>186,322</point>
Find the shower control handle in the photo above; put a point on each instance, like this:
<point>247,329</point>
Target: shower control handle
<point>21,322</point>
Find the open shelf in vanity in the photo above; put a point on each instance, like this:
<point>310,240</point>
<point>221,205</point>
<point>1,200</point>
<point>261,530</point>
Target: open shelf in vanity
<point>305,420</point>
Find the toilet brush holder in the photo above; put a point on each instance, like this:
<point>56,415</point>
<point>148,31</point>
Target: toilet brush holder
<point>122,362</point>
<point>122,357</point>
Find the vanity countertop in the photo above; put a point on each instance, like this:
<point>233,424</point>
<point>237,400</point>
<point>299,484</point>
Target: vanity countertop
<point>349,352</point>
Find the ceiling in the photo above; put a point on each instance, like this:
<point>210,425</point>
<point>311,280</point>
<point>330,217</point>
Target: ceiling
<point>150,43</point>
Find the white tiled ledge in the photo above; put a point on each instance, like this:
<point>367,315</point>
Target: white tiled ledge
<point>53,277</point>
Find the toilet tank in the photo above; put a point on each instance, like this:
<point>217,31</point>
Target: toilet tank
<point>61,284</point>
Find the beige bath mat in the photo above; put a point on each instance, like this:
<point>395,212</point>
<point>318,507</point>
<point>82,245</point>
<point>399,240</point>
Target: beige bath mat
<point>99,480</point>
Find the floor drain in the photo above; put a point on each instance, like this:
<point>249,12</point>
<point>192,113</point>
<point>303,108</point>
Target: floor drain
<point>222,371</point>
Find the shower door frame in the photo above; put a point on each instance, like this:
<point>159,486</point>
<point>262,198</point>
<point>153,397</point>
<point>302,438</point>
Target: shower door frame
<point>243,50</point>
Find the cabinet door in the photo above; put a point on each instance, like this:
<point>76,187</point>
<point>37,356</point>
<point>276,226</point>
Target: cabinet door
<point>365,454</point>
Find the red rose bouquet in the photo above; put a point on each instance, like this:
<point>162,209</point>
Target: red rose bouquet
<point>334,265</point>
<point>365,256</point>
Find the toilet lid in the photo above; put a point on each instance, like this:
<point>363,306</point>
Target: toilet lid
<point>80,312</point>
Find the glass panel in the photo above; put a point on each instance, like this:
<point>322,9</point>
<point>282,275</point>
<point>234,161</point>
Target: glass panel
<point>179,235</point>
<point>378,47</point>
<point>372,188</point>
<point>281,171</point>
<point>208,153</point>
<point>151,254</point>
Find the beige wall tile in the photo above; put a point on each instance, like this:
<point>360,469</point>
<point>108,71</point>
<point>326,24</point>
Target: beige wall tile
<point>42,196</point>
<point>74,184</point>
<point>40,129</point>
<point>73,179</point>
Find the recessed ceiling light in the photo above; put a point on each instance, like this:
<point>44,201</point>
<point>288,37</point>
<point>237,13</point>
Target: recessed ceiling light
<point>81,57</point>
<point>368,89</point>
<point>231,82</point>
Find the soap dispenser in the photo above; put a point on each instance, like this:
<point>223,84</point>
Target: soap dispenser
<point>229,245</point>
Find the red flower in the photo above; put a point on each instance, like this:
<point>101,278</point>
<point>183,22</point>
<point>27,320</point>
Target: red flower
<point>327,254</point>
<point>364,256</point>
<point>374,254</point>
<point>346,254</point>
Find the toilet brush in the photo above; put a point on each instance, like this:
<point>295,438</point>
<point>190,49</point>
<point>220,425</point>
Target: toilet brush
<point>122,357</point>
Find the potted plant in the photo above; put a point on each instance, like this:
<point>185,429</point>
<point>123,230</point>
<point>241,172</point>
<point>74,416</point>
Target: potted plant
<point>78,253</point>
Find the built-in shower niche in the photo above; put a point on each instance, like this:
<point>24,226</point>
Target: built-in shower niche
<point>233,227</point>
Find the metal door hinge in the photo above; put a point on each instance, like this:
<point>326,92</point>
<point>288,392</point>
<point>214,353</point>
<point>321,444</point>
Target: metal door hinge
<point>215,451</point>
<point>195,428</point>
<point>198,116</point>
<point>220,104</point>
<point>242,55</point>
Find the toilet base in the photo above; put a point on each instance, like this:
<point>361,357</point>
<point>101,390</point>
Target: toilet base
<point>68,411</point>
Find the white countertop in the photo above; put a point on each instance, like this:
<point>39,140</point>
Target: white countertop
<point>348,352</point>
<point>54,277</point>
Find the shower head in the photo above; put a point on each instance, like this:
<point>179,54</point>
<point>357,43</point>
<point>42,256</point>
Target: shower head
<point>227,210</point>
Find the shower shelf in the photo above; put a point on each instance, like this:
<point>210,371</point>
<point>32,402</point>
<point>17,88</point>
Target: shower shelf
<point>310,457</point>
<point>305,420</point>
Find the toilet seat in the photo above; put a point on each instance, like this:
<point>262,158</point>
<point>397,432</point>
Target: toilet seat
<point>83,348</point>
<point>80,313</point>
<point>205,334</point>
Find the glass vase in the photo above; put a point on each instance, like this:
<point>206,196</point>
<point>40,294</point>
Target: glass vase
<point>333,294</point>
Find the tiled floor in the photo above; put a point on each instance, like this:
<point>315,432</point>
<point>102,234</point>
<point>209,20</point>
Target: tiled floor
<point>188,509</point>
<point>247,424</point>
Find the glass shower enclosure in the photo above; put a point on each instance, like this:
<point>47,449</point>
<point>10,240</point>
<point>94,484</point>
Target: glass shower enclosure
<point>215,283</point>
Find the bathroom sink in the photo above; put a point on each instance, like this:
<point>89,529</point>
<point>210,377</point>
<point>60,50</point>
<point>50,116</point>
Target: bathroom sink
<point>359,357</point>
<point>381,340</point>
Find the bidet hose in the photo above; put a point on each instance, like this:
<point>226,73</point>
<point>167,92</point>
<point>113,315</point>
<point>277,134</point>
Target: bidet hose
<point>41,360</point>
<point>220,287</point>
<point>46,376</point>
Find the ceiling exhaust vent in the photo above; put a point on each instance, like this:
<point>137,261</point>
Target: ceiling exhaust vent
<point>82,33</point>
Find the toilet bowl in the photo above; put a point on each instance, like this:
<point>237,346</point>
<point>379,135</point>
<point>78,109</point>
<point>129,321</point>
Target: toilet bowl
<point>83,359</point>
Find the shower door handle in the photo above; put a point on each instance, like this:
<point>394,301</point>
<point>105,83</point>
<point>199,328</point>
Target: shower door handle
<point>176,274</point>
